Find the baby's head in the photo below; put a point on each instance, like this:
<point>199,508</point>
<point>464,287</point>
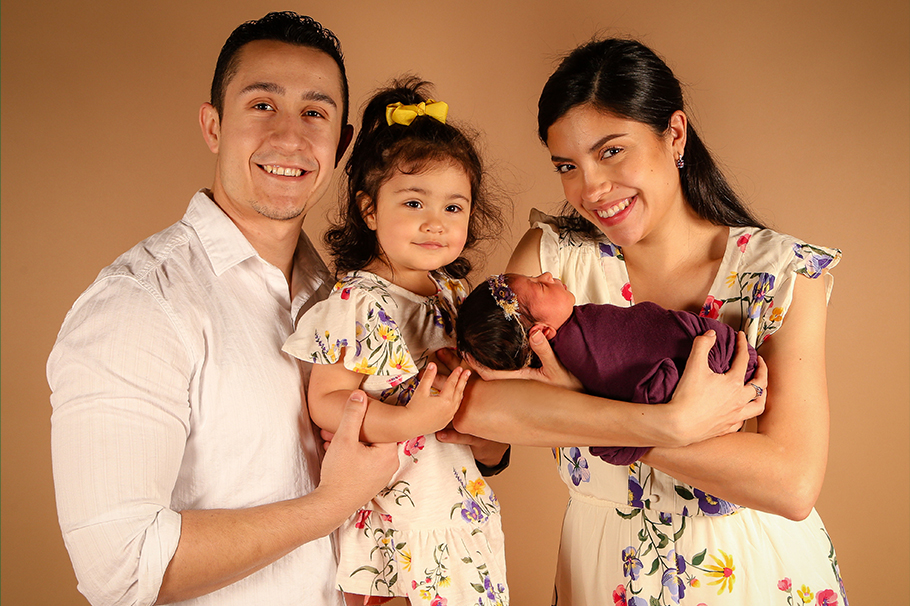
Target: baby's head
<point>495,320</point>
<point>393,140</point>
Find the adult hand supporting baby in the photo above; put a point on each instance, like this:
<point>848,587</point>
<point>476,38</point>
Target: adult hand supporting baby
<point>551,371</point>
<point>710,404</point>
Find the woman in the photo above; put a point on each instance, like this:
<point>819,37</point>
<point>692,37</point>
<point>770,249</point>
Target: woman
<point>654,220</point>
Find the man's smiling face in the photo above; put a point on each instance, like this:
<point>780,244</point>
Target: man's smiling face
<point>279,131</point>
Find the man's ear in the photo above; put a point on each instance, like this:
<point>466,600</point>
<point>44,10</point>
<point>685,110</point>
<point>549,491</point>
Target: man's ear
<point>347,133</point>
<point>367,210</point>
<point>210,123</point>
<point>548,331</point>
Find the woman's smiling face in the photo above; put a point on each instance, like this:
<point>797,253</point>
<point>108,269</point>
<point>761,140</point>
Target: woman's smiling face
<point>618,173</point>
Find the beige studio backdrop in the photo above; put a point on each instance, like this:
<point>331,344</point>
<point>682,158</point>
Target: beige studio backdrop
<point>805,103</point>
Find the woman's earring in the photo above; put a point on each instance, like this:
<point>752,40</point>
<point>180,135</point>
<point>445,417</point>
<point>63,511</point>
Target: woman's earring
<point>680,162</point>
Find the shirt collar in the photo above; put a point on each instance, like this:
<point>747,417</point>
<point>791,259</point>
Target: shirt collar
<point>224,244</point>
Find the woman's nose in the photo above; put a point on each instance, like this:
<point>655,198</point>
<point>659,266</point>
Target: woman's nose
<point>595,186</point>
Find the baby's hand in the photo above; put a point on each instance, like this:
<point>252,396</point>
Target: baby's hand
<point>430,413</point>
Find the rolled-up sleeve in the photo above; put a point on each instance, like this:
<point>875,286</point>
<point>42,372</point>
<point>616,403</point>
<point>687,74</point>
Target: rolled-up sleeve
<point>120,374</point>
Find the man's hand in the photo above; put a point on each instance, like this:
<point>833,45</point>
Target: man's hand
<point>354,472</point>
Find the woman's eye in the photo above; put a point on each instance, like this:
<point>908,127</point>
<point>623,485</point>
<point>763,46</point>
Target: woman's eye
<point>610,152</point>
<point>564,168</point>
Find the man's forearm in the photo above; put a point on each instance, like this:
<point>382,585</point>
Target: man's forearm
<point>221,546</point>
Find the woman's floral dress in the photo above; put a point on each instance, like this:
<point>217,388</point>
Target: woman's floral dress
<point>635,536</point>
<point>434,533</point>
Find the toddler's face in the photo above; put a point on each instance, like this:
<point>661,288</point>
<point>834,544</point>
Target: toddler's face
<point>546,299</point>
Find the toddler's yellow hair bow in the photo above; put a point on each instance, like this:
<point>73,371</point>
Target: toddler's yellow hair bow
<point>396,113</point>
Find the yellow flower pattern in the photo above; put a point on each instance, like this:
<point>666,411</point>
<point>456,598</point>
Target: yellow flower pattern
<point>723,571</point>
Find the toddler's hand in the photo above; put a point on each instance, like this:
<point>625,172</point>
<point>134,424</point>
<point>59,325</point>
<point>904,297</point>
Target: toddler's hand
<point>431,413</point>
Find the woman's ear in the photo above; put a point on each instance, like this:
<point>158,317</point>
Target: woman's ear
<point>676,133</point>
<point>367,210</point>
<point>548,331</point>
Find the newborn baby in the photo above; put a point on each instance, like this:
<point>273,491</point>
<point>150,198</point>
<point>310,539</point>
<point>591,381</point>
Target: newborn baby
<point>630,354</point>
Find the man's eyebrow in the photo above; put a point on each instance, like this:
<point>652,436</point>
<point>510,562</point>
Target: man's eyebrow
<point>315,95</point>
<point>271,87</point>
<point>268,87</point>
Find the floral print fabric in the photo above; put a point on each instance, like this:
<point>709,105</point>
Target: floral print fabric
<point>638,535</point>
<point>434,533</point>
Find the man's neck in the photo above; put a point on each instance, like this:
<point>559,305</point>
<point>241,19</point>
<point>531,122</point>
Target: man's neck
<point>274,240</point>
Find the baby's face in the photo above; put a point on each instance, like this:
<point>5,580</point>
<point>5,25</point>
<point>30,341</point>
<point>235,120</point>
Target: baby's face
<point>545,298</point>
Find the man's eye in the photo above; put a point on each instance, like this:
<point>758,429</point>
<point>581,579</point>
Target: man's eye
<point>263,106</point>
<point>312,113</point>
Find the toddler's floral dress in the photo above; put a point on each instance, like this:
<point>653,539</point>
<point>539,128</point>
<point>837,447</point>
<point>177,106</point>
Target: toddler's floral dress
<point>642,538</point>
<point>434,533</point>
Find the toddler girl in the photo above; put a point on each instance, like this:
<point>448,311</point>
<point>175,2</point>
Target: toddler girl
<point>632,354</point>
<point>415,201</point>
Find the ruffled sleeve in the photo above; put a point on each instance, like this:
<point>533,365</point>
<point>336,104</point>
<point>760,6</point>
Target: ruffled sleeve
<point>763,283</point>
<point>354,324</point>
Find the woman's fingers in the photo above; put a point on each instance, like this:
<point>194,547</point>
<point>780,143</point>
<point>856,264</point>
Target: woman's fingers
<point>701,346</point>
<point>756,405</point>
<point>741,356</point>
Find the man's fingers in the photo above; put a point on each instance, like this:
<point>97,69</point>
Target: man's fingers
<point>352,416</point>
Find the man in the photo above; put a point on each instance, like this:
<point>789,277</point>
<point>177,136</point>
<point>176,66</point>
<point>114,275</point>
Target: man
<point>185,465</point>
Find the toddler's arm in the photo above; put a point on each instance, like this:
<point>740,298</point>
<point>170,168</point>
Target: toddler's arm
<point>331,385</point>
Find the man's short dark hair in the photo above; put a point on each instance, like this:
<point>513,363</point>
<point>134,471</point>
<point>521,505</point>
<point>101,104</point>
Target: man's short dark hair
<point>285,26</point>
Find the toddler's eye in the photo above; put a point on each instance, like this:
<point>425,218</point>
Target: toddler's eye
<point>412,204</point>
<point>453,208</point>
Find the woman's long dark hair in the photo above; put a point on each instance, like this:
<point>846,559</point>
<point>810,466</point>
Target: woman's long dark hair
<point>381,149</point>
<point>627,79</point>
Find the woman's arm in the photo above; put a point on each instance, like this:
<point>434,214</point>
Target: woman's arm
<point>525,258</point>
<point>331,384</point>
<point>780,468</point>
<point>536,414</point>
<point>705,405</point>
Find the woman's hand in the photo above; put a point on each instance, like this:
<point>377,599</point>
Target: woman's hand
<point>710,404</point>
<point>551,371</point>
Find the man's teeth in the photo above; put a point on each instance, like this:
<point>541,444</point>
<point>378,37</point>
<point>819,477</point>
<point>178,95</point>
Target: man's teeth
<point>606,214</point>
<point>283,171</point>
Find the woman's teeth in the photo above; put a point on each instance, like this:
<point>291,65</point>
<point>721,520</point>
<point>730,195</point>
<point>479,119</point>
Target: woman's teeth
<point>606,214</point>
